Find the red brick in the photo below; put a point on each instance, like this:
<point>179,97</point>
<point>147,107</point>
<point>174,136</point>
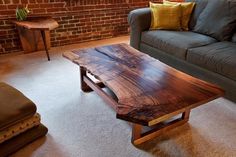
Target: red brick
<point>12,49</point>
<point>61,30</point>
<point>61,38</point>
<point>53,10</point>
<point>78,8</point>
<point>62,22</point>
<point>32,1</point>
<point>7,12</point>
<point>3,33</point>
<point>58,5</point>
<point>33,6</point>
<point>96,19</point>
<point>6,1</point>
<point>24,1</point>
<point>66,18</point>
<point>37,11</point>
<point>15,1</point>
<point>84,21</point>
<point>74,21</point>
<point>10,32</point>
<point>105,18</point>
<point>46,5</point>
<point>3,7</point>
<point>69,25</point>
<point>13,6</point>
<point>8,22</point>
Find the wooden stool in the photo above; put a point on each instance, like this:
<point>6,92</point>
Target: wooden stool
<point>42,24</point>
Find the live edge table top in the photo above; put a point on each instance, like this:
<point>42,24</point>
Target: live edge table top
<point>147,89</point>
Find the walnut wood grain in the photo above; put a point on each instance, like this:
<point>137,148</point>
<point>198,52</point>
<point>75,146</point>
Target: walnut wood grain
<point>38,23</point>
<point>139,137</point>
<point>31,40</point>
<point>34,25</point>
<point>148,90</point>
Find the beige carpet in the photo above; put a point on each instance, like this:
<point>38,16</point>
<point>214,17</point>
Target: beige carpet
<point>82,125</point>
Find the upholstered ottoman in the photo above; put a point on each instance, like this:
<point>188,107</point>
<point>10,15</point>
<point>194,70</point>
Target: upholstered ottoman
<point>19,122</point>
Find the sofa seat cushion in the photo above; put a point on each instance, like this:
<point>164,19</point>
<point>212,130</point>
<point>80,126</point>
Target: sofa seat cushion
<point>218,57</point>
<point>175,43</point>
<point>14,106</point>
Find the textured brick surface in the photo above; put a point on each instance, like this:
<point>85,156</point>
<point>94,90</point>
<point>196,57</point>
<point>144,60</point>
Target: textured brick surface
<point>79,20</point>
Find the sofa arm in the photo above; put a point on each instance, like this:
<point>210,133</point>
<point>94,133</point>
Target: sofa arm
<point>139,20</point>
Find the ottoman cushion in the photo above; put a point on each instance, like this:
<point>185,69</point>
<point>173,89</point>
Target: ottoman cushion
<point>19,128</point>
<point>15,107</point>
<point>12,145</point>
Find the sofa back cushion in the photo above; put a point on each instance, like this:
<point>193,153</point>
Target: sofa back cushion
<point>198,8</point>
<point>218,19</point>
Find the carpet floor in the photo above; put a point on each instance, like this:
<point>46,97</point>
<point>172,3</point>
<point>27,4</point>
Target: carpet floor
<point>82,125</point>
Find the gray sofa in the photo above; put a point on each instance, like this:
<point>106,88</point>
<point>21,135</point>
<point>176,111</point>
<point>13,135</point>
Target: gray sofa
<point>197,54</point>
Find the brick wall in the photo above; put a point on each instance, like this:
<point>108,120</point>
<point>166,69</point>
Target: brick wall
<point>80,21</point>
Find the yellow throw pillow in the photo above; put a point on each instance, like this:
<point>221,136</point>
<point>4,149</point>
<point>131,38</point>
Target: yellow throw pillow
<point>186,11</point>
<point>165,16</point>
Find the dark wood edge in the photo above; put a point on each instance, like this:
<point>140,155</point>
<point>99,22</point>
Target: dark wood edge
<point>44,29</point>
<point>110,101</point>
<point>139,137</point>
<point>129,119</point>
<point>155,121</point>
<point>167,116</point>
<point>18,24</point>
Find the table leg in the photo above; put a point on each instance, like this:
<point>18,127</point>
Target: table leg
<point>84,87</point>
<point>136,131</point>
<point>45,44</point>
<point>186,115</point>
<point>139,137</point>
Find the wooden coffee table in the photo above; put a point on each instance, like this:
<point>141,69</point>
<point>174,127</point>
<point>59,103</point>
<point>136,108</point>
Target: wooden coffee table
<point>149,93</point>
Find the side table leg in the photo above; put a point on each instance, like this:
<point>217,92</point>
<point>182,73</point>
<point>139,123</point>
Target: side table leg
<point>45,44</point>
